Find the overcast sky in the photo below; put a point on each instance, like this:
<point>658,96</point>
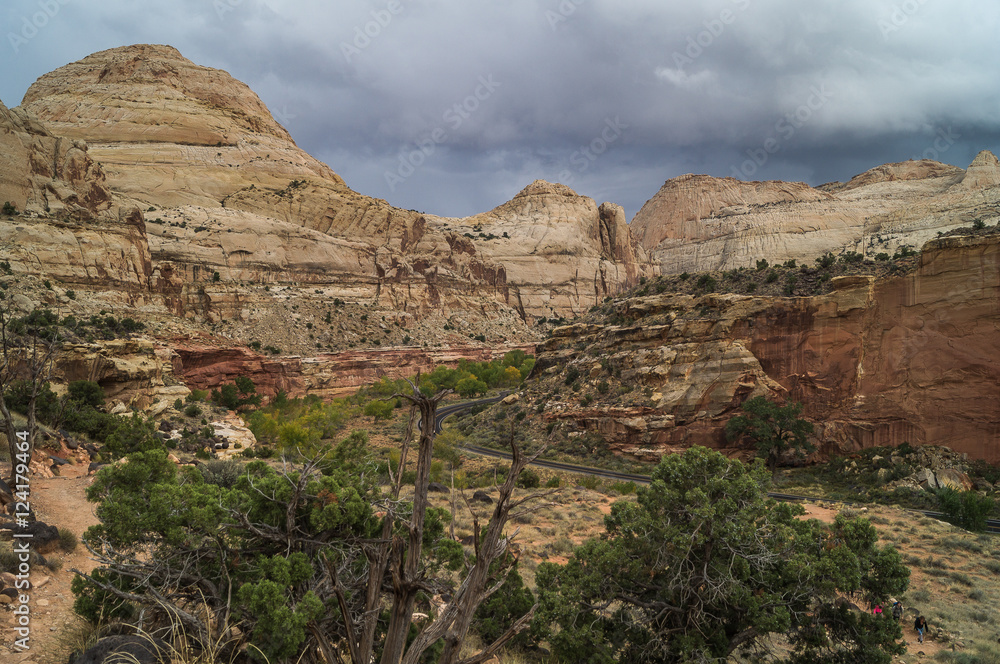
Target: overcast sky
<point>453,106</point>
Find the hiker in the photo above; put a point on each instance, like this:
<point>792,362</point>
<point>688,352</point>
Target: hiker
<point>920,625</point>
<point>897,611</point>
<point>877,611</point>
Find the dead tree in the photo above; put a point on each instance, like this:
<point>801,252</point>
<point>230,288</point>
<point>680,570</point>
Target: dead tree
<point>24,355</point>
<point>396,562</point>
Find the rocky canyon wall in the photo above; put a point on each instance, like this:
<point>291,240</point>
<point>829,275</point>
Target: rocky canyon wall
<point>912,358</point>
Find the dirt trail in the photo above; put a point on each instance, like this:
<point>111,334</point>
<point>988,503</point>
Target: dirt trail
<point>58,501</point>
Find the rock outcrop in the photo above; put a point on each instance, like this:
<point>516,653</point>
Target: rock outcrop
<point>700,223</point>
<point>207,366</point>
<point>191,141</point>
<point>911,358</point>
<point>45,174</point>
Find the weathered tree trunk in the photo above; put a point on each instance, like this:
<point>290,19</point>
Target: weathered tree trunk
<point>406,564</point>
<point>27,358</point>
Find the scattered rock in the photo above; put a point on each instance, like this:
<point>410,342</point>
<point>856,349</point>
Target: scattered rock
<point>134,649</point>
<point>44,538</point>
<point>482,497</point>
<point>953,479</point>
<point>438,487</point>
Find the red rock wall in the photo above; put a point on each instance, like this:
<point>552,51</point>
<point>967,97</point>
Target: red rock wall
<point>205,366</point>
<point>913,358</point>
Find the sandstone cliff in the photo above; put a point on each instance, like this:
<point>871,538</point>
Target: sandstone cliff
<point>698,223</point>
<point>192,141</point>
<point>44,174</point>
<point>911,358</point>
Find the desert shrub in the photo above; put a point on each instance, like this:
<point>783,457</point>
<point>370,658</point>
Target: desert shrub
<point>132,434</point>
<point>966,509</point>
<point>378,409</point>
<point>67,540</point>
<point>826,260</point>
<point>529,479</point>
<point>196,395</point>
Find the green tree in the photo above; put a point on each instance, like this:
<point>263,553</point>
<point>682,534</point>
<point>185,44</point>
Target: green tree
<point>85,393</point>
<point>966,509</point>
<point>298,556</point>
<point>470,387</point>
<point>703,567</point>
<point>239,394</point>
<point>380,410</point>
<point>773,429</point>
<point>511,377</point>
<point>132,434</point>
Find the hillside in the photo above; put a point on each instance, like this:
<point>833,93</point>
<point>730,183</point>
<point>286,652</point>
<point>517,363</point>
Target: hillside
<point>192,146</point>
<point>698,223</point>
<point>879,356</point>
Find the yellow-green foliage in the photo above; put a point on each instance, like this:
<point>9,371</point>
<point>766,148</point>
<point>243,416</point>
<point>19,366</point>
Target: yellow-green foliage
<point>300,424</point>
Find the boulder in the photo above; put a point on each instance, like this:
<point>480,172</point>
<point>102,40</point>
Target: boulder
<point>482,497</point>
<point>127,648</point>
<point>926,479</point>
<point>953,479</point>
<point>44,538</point>
<point>438,487</point>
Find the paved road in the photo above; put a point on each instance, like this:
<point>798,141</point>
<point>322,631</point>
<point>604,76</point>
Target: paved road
<point>992,525</point>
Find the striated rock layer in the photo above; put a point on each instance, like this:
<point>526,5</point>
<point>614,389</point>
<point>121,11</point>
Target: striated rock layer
<point>700,223</point>
<point>912,358</point>
<point>45,174</point>
<point>207,366</point>
<point>187,140</point>
<point>149,375</point>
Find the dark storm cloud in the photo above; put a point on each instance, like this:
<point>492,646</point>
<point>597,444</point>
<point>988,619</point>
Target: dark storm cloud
<point>452,106</point>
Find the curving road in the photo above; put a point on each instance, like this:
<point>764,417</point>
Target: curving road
<point>992,525</point>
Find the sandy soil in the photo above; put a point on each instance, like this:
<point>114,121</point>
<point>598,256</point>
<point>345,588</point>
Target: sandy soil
<point>58,501</point>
